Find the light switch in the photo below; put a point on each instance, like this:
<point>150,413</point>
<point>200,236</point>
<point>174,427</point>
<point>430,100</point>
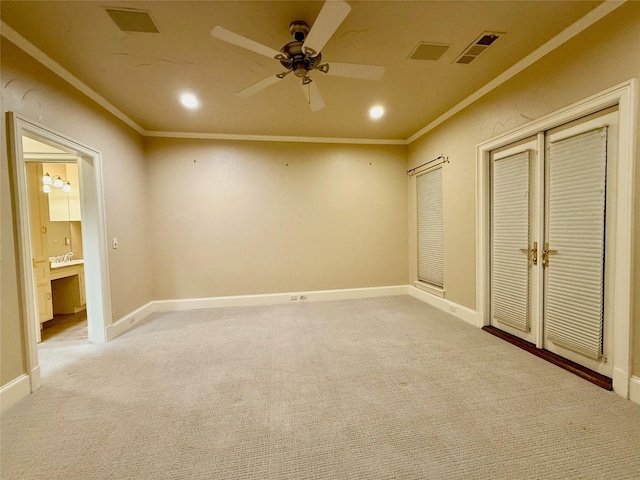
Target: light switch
<point>114,242</point>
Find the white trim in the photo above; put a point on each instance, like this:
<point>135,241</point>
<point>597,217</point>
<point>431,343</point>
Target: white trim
<point>93,232</point>
<point>278,298</point>
<point>625,96</point>
<point>567,34</point>
<point>432,289</point>
<point>33,51</point>
<point>634,389</point>
<point>36,378</point>
<point>24,44</point>
<point>276,138</point>
<point>14,391</point>
<point>128,321</point>
<point>463,313</point>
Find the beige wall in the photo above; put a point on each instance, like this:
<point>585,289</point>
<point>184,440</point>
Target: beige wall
<point>233,218</point>
<point>198,218</point>
<point>604,55</point>
<point>31,90</point>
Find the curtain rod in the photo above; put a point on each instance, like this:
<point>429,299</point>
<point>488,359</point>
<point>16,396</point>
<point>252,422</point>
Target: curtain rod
<point>441,157</point>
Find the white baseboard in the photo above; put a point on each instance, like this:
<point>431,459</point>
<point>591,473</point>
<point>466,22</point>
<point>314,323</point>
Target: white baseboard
<point>634,389</point>
<point>36,379</point>
<point>278,298</point>
<point>14,391</point>
<point>620,381</point>
<point>463,313</point>
<point>125,323</point>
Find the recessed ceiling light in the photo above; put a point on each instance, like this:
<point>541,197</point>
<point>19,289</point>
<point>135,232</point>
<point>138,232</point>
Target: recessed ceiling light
<point>189,100</point>
<point>376,112</point>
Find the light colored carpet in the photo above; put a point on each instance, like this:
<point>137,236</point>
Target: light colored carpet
<point>385,388</point>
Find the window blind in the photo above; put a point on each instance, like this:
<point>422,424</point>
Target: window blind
<point>430,237</point>
<point>510,234</point>
<point>574,316</point>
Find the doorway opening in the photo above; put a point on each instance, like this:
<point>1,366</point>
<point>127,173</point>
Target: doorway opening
<point>56,240</point>
<point>550,278</point>
<point>617,274</point>
<point>57,187</point>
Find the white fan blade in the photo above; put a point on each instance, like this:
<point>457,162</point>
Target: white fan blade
<point>353,70</point>
<point>244,42</point>
<point>312,94</point>
<point>261,85</point>
<point>329,19</point>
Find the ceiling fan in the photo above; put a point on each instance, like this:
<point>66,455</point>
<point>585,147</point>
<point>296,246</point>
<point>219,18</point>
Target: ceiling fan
<point>303,55</point>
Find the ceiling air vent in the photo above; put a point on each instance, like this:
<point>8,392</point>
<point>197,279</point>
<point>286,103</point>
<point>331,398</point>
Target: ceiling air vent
<point>477,47</point>
<point>133,20</point>
<point>428,51</point>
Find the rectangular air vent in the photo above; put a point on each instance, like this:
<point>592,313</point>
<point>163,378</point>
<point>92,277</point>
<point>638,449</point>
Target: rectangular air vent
<point>133,20</point>
<point>428,51</point>
<point>478,46</point>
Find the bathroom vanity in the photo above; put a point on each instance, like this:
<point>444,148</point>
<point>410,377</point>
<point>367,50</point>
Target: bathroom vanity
<point>67,286</point>
<point>55,233</point>
<point>60,288</point>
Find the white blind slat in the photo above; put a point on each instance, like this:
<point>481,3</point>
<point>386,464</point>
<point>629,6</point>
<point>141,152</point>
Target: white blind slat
<point>510,233</point>
<point>430,221</point>
<point>574,315</point>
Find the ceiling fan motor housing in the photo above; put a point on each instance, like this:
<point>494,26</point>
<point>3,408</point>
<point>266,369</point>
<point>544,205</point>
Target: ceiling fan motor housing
<point>302,54</point>
<point>297,61</point>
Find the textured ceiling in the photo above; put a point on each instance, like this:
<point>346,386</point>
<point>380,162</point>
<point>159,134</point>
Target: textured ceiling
<point>142,74</point>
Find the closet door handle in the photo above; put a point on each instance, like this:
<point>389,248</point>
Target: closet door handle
<point>546,253</point>
<point>532,253</point>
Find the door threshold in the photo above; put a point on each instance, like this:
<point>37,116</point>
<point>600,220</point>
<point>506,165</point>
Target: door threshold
<point>573,367</point>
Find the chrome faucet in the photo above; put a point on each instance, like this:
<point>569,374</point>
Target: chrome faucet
<point>67,257</point>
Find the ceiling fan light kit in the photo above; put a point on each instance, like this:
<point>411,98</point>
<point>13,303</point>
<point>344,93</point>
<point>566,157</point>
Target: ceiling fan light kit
<point>303,55</point>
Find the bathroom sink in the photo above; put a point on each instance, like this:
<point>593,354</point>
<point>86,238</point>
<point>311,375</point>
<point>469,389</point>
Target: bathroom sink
<point>68,263</point>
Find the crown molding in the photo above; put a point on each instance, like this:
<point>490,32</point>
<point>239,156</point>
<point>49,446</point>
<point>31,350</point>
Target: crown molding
<point>33,51</point>
<point>24,44</point>
<point>567,34</point>
<point>276,138</point>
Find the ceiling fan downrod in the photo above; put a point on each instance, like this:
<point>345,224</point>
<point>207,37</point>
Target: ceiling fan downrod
<point>295,59</point>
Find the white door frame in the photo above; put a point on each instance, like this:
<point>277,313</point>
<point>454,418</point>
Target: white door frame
<point>95,247</point>
<point>625,96</point>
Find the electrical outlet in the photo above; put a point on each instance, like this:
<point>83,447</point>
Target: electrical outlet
<point>452,308</point>
<point>294,298</point>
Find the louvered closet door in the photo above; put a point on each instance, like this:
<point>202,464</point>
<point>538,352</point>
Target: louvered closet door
<point>575,242</point>
<point>511,259</point>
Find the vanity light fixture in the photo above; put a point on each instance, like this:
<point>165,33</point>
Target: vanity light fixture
<point>55,181</point>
